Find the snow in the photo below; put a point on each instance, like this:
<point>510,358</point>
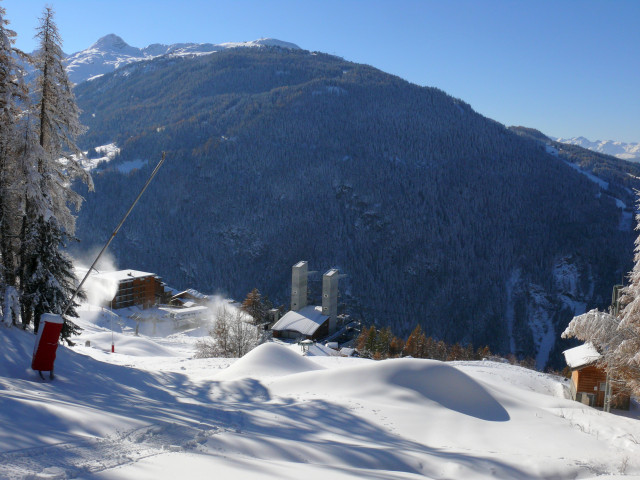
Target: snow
<point>598,181</point>
<point>131,165</point>
<point>305,321</point>
<point>108,153</point>
<point>510,313</point>
<point>152,411</point>
<point>626,216</point>
<point>122,275</point>
<point>541,324</point>
<point>268,360</point>
<point>581,356</point>
<point>622,150</point>
<point>111,52</point>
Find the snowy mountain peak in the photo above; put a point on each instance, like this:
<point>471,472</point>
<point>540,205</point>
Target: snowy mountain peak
<point>624,151</point>
<point>111,52</point>
<point>273,42</point>
<point>110,42</point>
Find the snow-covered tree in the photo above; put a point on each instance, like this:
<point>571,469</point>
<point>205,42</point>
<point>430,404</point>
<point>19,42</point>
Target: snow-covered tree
<point>13,96</point>
<point>598,328</point>
<point>49,220</point>
<point>616,338</point>
<point>57,117</point>
<point>627,353</point>
<point>51,277</point>
<point>232,335</point>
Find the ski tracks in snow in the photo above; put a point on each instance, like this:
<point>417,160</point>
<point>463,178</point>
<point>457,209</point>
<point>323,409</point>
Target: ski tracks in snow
<point>89,455</point>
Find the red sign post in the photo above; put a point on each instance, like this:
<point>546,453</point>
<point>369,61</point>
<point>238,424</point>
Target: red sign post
<point>44,352</point>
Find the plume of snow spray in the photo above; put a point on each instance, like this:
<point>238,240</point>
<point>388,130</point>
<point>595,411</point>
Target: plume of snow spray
<point>99,291</point>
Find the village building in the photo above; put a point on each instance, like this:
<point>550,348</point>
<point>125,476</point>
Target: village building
<point>588,380</point>
<point>306,321</point>
<point>189,298</point>
<point>133,288</point>
<point>184,317</point>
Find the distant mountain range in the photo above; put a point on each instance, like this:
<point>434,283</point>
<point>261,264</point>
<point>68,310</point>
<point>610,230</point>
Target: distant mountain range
<point>111,52</point>
<point>624,151</point>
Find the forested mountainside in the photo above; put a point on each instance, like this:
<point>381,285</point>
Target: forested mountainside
<point>620,176</point>
<point>437,215</point>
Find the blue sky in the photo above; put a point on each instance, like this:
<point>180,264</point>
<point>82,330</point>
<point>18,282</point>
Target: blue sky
<point>568,68</point>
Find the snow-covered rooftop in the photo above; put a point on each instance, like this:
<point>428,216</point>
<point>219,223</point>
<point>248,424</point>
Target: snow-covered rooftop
<point>193,293</point>
<point>305,321</point>
<point>185,310</point>
<point>581,356</point>
<point>122,275</point>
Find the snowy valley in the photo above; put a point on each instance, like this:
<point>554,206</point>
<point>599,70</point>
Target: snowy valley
<point>415,274</point>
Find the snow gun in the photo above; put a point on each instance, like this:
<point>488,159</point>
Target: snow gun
<point>44,351</point>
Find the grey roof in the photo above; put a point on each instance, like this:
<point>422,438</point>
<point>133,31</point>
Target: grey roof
<point>305,321</point>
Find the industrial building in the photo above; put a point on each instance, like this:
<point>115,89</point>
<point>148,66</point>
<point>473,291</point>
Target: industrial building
<point>307,321</point>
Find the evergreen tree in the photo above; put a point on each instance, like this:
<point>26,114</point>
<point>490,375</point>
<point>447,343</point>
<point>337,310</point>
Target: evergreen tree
<point>51,279</point>
<point>13,94</point>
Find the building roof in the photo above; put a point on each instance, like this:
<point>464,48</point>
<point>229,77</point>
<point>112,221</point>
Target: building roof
<point>191,293</point>
<point>122,275</point>
<point>581,356</point>
<point>305,321</point>
<point>198,308</point>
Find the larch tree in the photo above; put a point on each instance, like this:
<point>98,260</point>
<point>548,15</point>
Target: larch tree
<point>254,306</point>
<point>13,97</point>
<point>415,344</point>
<point>49,221</point>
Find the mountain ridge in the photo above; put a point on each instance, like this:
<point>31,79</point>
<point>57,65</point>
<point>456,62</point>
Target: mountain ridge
<point>623,150</point>
<point>111,52</point>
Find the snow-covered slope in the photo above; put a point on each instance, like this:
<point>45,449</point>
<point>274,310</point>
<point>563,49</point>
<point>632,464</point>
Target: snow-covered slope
<point>624,151</point>
<point>111,52</point>
<point>151,411</point>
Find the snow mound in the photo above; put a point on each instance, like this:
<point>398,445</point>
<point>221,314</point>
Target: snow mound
<point>406,379</point>
<point>16,350</point>
<point>128,345</point>
<point>316,350</point>
<point>268,360</point>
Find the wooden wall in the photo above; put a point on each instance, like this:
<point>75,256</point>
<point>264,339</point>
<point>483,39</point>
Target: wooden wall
<point>591,379</point>
<point>140,291</point>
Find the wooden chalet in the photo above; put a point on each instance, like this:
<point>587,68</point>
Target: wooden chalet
<point>588,380</point>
